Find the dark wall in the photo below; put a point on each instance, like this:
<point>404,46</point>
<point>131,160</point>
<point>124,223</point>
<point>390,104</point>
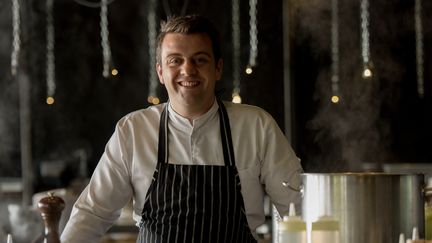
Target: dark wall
<point>381,120</point>
<point>88,105</point>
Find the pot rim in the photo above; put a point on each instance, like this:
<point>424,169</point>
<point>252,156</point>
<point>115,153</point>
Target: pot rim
<point>361,174</point>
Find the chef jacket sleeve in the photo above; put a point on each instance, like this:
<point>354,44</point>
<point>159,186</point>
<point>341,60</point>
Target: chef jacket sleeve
<point>279,166</point>
<point>108,191</point>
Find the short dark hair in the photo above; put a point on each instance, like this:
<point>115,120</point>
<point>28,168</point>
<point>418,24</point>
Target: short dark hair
<point>189,24</point>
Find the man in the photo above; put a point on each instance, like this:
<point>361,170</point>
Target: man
<point>196,168</point>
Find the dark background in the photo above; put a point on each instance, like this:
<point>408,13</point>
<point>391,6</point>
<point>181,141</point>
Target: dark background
<point>381,120</point>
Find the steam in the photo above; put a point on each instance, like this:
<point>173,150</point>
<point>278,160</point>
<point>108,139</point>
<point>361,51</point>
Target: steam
<point>9,125</point>
<point>353,131</point>
<point>23,223</point>
<point>26,223</point>
<point>8,135</point>
<point>4,222</point>
<point>16,220</point>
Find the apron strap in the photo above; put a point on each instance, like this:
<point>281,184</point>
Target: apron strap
<point>225,133</point>
<point>163,137</point>
<point>227,145</point>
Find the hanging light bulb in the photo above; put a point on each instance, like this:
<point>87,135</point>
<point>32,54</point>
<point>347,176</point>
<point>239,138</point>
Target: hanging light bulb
<point>114,72</point>
<point>248,70</point>
<point>335,99</point>
<point>156,100</point>
<point>367,73</point>
<point>150,99</point>
<point>50,100</point>
<point>236,98</point>
<point>153,100</point>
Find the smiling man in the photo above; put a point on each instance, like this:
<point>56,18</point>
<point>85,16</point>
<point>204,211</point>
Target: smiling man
<point>189,70</point>
<point>196,168</point>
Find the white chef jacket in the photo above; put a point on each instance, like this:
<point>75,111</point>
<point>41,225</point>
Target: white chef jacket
<point>263,157</point>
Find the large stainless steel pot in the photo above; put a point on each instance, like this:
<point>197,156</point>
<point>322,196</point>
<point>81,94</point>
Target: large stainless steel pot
<point>370,207</point>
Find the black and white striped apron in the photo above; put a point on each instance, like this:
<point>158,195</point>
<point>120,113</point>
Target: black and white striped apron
<point>195,203</point>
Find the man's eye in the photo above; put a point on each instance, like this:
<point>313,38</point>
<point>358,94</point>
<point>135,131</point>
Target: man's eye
<point>174,61</point>
<point>201,60</point>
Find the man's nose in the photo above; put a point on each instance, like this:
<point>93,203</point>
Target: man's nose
<point>189,68</point>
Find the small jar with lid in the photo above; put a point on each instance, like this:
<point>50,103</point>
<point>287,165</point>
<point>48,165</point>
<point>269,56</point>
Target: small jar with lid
<point>292,229</point>
<point>325,230</point>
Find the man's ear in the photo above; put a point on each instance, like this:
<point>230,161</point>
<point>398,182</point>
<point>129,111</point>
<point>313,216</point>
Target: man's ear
<point>219,68</point>
<point>159,73</point>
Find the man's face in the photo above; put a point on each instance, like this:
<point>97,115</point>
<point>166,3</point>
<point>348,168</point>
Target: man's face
<point>188,71</point>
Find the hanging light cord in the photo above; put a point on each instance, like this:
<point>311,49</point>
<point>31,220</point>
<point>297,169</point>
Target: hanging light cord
<point>335,48</point>
<point>253,33</point>
<point>184,8</point>
<point>50,58</point>
<point>16,42</point>
<point>365,31</point>
<point>152,29</point>
<point>236,45</point>
<point>419,48</point>
<point>106,50</point>
<point>168,9</point>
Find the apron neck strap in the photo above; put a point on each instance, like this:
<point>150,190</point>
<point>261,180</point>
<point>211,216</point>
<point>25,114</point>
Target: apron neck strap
<point>163,136</point>
<point>225,133</point>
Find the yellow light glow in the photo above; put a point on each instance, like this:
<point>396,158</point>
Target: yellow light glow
<point>335,99</point>
<point>156,101</point>
<point>153,100</point>
<point>236,99</point>
<point>367,73</point>
<point>114,72</point>
<point>249,70</point>
<point>50,100</point>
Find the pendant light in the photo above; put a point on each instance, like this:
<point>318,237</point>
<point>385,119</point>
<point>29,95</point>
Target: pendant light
<point>151,27</point>
<point>50,56</point>
<point>365,41</point>
<point>253,36</point>
<point>335,52</point>
<point>236,50</point>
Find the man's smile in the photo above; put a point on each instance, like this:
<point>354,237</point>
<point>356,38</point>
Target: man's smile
<point>189,84</point>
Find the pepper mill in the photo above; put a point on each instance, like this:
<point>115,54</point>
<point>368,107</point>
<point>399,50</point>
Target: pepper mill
<point>51,208</point>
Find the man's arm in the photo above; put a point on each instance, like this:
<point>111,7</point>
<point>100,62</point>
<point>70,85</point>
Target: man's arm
<point>280,165</point>
<point>101,202</point>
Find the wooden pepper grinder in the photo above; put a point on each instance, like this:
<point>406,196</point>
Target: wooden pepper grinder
<point>51,208</point>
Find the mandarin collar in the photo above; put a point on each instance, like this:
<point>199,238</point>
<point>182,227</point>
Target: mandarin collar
<point>183,123</point>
